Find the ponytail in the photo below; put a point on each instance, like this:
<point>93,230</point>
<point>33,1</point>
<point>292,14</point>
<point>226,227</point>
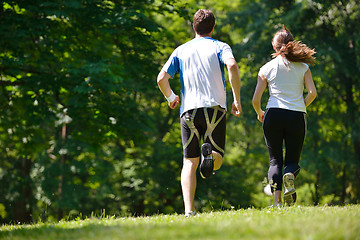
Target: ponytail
<point>292,50</point>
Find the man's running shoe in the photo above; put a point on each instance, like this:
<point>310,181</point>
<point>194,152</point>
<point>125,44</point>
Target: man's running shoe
<point>190,214</point>
<point>207,162</point>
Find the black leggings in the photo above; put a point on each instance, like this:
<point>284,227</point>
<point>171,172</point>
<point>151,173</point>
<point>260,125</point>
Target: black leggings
<point>281,125</point>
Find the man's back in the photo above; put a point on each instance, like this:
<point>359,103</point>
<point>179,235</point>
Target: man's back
<point>201,66</point>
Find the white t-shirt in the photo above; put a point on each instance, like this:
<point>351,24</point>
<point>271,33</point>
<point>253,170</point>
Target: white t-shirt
<point>201,64</point>
<point>286,83</point>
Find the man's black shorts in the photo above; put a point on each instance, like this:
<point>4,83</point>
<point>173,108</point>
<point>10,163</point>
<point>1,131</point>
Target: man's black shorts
<point>207,124</point>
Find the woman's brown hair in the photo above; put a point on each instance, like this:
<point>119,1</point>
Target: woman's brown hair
<point>292,50</point>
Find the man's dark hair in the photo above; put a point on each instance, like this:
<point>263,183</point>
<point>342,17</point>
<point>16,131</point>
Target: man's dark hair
<point>204,21</point>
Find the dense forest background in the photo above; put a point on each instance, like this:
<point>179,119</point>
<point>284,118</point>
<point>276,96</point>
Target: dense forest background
<point>84,130</point>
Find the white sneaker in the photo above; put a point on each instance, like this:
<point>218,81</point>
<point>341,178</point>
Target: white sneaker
<point>267,190</point>
<point>276,206</point>
<point>190,214</point>
<point>289,187</point>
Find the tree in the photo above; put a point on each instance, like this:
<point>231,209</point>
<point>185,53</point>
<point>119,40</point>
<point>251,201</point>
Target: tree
<point>331,148</point>
<point>71,78</point>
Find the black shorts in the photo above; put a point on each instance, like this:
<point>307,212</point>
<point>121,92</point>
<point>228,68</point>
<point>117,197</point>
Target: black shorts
<point>207,124</point>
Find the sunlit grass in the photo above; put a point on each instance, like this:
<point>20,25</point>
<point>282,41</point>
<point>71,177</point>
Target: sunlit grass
<point>285,223</point>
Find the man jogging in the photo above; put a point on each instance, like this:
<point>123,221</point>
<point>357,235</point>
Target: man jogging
<point>200,63</point>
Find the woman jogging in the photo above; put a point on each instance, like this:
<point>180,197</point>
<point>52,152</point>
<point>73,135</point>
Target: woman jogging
<point>285,117</point>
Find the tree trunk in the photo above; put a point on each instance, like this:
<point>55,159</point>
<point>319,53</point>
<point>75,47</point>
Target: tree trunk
<point>23,206</point>
<point>317,179</point>
<point>353,129</point>
<point>357,169</point>
<point>60,211</point>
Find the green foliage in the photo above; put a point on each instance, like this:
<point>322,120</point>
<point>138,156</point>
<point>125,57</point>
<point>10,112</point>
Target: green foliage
<point>331,152</point>
<point>69,100</point>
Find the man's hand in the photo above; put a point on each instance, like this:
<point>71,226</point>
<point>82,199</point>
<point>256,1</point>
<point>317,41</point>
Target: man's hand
<point>236,109</point>
<point>174,103</point>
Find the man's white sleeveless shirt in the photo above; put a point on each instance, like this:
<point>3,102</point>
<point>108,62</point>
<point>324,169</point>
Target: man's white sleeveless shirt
<point>201,66</point>
<point>286,83</point>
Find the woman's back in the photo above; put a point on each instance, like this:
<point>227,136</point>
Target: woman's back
<point>286,83</point>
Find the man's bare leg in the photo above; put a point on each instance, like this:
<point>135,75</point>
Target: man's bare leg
<point>188,182</point>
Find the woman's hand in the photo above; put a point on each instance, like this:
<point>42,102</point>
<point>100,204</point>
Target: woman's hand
<point>260,116</point>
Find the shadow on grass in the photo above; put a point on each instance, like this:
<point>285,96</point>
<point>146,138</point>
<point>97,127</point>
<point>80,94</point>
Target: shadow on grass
<point>86,230</point>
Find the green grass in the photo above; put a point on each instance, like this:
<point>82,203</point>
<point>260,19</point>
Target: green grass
<point>286,223</point>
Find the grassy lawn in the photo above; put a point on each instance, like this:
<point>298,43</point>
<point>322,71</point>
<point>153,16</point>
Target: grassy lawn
<point>296,222</point>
